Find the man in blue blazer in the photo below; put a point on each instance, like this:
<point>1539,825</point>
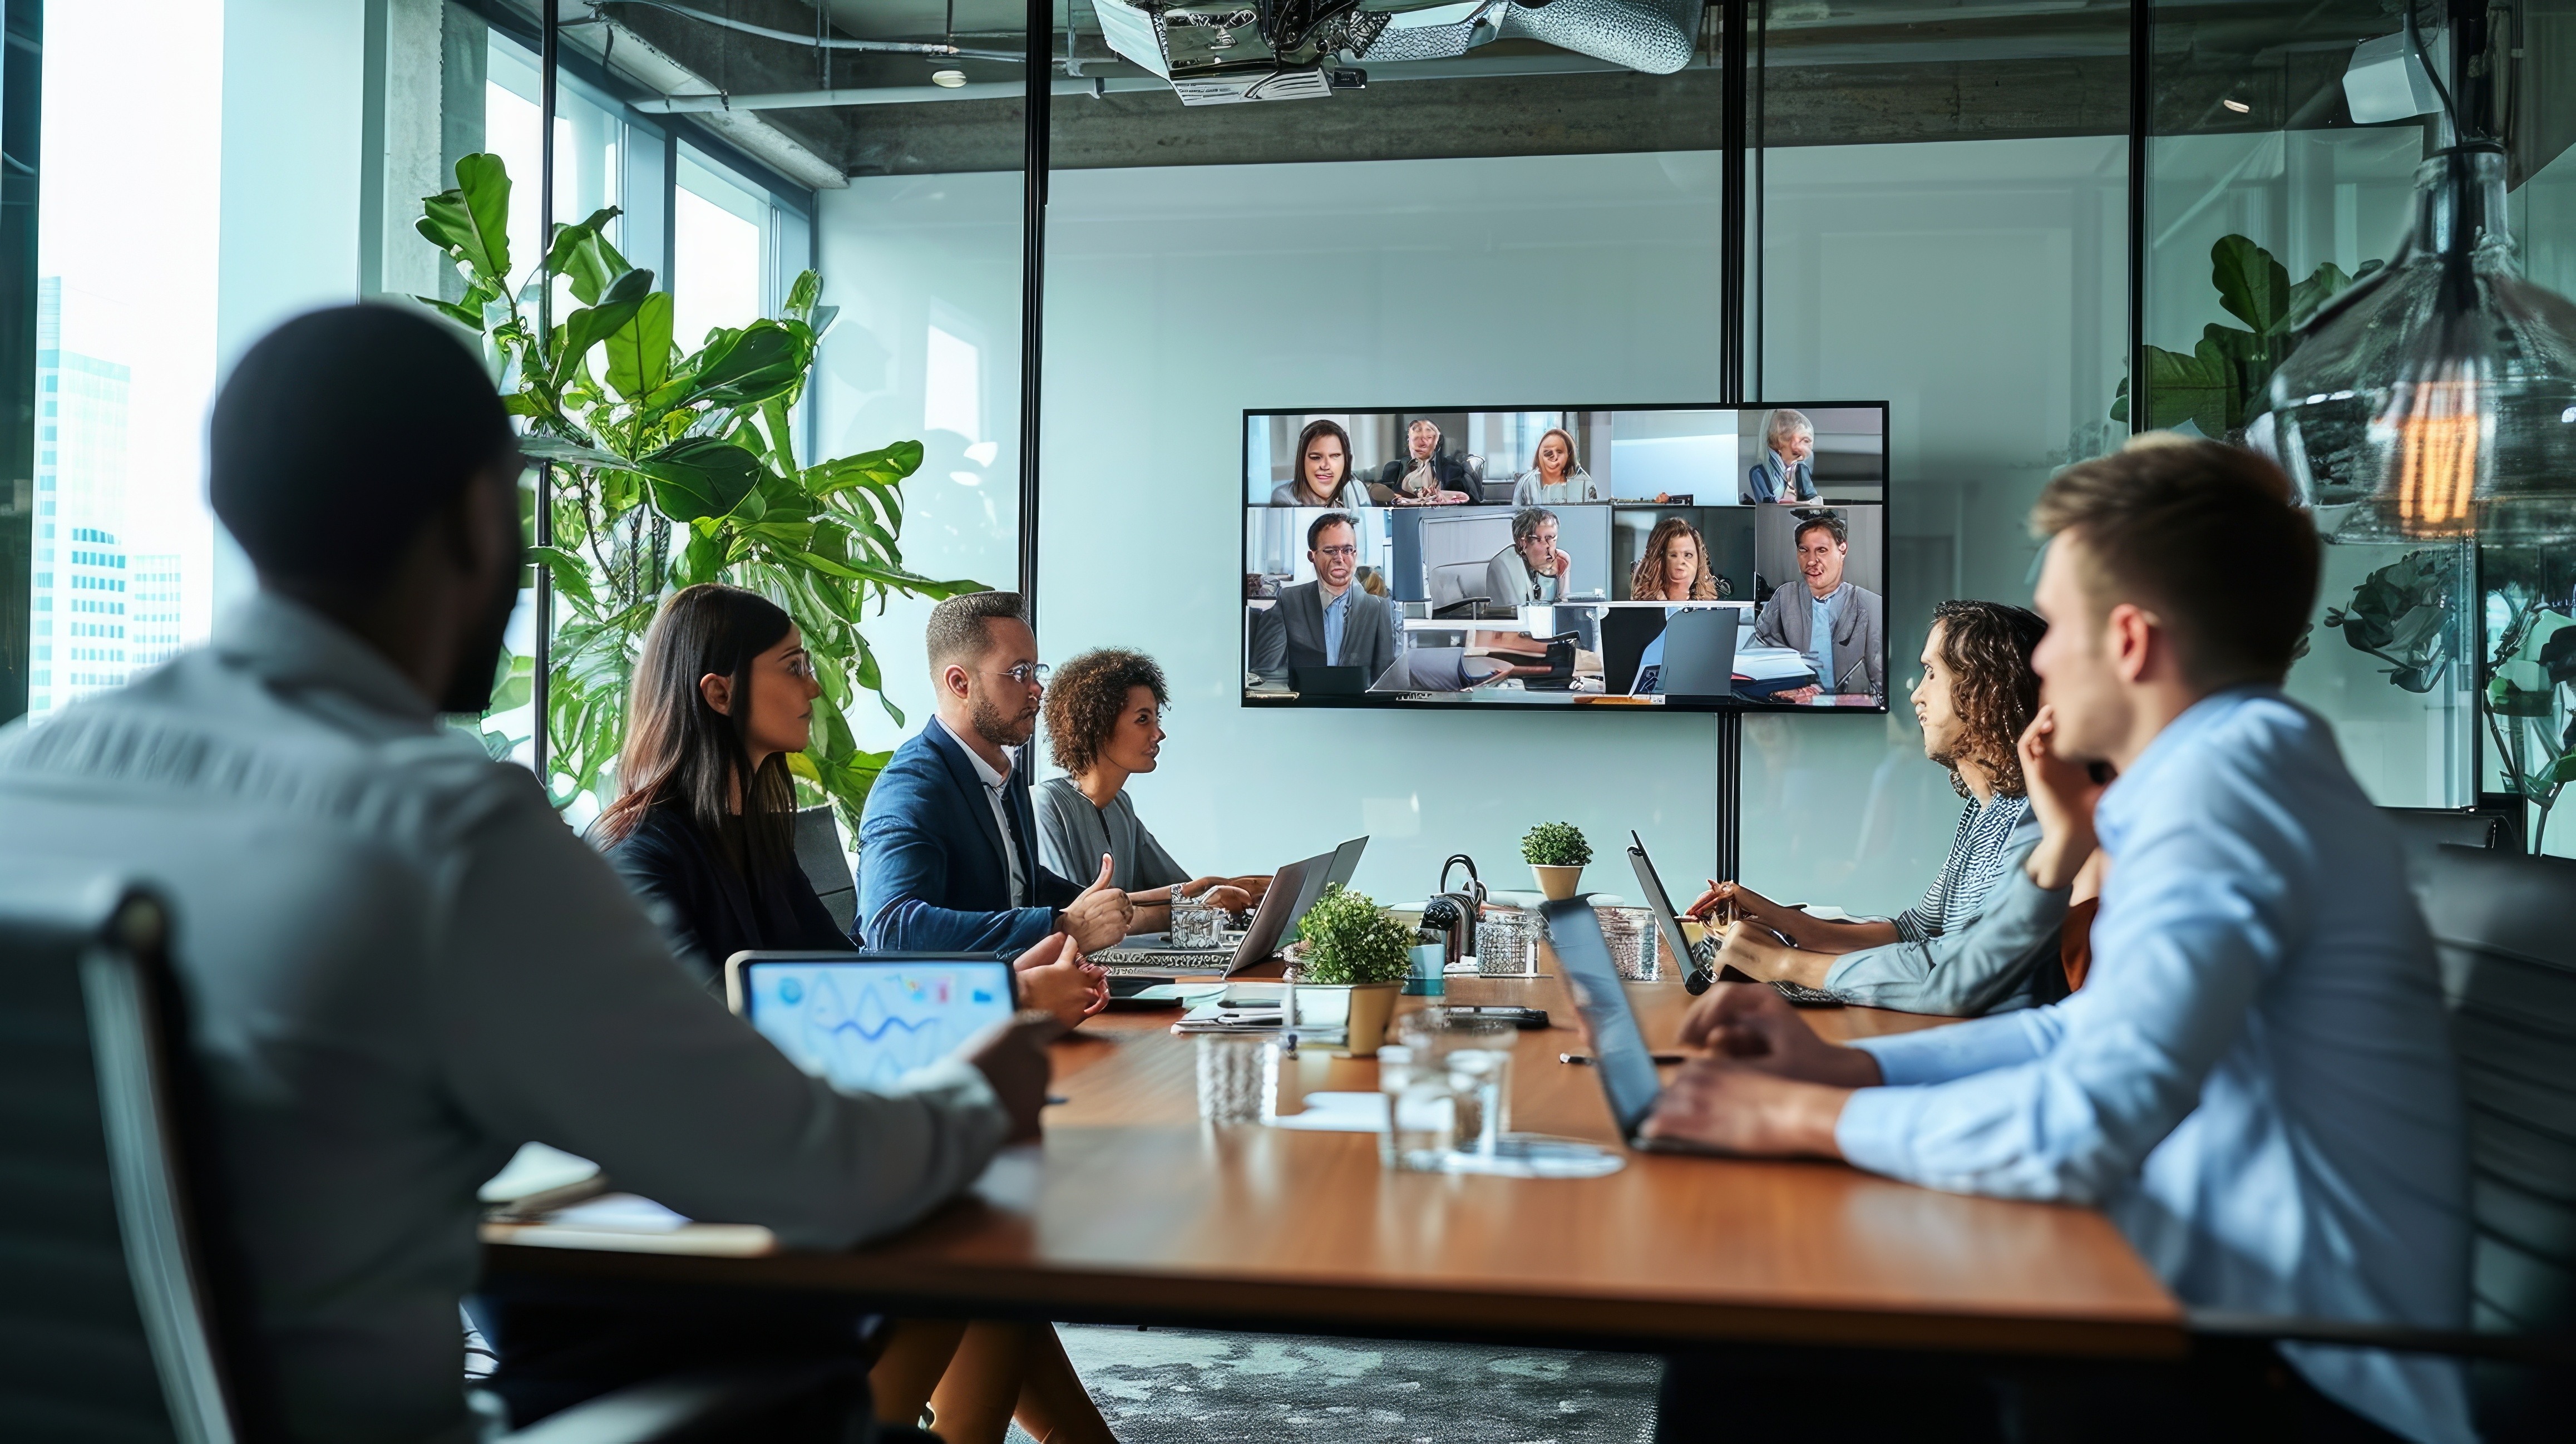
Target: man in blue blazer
<point>948,852</point>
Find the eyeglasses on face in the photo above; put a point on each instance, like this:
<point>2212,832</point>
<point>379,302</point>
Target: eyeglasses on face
<point>1027,673</point>
<point>1337,553</point>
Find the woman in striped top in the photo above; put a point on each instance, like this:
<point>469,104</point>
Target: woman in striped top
<point>1976,695</point>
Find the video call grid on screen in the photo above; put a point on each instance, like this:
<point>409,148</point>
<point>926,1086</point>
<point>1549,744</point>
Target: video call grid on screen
<point>1541,558</point>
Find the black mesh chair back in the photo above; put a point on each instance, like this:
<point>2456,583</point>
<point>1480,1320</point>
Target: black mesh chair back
<point>106,1329</point>
<point>2502,924</point>
<point>818,853</point>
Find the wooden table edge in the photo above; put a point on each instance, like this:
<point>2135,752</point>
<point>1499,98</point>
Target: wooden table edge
<point>1274,1306</point>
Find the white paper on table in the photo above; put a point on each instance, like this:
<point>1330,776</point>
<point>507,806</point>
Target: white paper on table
<point>1364,1113</point>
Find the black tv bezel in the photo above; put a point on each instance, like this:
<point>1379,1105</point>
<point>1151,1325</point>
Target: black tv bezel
<point>1398,701</point>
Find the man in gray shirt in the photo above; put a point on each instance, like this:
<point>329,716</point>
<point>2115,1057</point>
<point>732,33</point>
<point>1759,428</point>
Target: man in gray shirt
<point>1840,627</point>
<point>399,963</point>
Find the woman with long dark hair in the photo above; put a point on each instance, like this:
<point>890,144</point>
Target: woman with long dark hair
<point>1322,471</point>
<point>703,830</point>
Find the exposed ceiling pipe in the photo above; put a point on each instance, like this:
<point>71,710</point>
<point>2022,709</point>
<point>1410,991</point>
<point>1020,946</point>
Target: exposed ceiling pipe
<point>829,42</point>
<point>1098,85</point>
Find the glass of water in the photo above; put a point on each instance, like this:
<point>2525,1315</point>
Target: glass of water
<point>1238,1077</point>
<point>1195,924</point>
<point>1421,1112</point>
<point>1474,1054</point>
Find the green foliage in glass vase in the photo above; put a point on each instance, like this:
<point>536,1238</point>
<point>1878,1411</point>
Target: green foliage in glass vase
<point>672,468</point>
<point>2403,615</point>
<point>1555,844</point>
<point>2223,383</point>
<point>1350,939</point>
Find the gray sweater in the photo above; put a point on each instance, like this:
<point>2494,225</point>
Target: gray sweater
<point>1072,834</point>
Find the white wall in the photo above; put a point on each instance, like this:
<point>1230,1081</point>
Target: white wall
<point>1976,286</point>
<point>288,225</point>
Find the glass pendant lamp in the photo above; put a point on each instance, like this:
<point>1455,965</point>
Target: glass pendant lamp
<point>2437,398</point>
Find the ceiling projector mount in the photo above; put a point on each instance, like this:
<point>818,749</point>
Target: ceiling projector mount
<point>1227,54</point>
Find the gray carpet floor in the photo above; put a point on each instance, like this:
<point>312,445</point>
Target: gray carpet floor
<point>1176,1386</point>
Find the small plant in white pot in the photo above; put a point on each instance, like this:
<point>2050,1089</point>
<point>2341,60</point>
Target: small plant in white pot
<point>1556,852</point>
<point>1353,944</point>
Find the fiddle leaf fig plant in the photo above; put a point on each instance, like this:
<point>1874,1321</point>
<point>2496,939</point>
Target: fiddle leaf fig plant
<point>2224,381</point>
<point>674,466</point>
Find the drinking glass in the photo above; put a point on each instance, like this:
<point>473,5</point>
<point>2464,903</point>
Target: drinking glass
<point>1238,1077</point>
<point>1507,943</point>
<point>1475,1055</point>
<point>1195,924</point>
<point>1635,948</point>
<point>1421,1112</point>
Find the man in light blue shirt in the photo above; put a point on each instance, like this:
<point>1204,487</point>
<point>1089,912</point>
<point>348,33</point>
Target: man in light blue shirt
<point>1337,615</point>
<point>2256,1082</point>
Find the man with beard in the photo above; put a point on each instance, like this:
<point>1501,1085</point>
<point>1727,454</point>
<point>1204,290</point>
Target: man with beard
<point>399,964</point>
<point>948,851</point>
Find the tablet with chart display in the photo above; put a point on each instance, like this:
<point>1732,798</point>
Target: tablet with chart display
<point>863,1022</point>
<point>1607,557</point>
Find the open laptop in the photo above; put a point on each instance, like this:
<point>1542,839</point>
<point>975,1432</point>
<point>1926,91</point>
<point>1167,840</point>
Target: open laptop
<point>1652,885</point>
<point>1626,1066</point>
<point>1699,655</point>
<point>863,1020</point>
<point>1280,908</point>
<point>1337,873</point>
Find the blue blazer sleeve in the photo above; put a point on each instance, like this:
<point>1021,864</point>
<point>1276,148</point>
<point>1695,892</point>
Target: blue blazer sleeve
<point>905,863</point>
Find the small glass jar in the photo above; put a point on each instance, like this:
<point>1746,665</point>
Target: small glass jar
<point>1196,924</point>
<point>1507,943</point>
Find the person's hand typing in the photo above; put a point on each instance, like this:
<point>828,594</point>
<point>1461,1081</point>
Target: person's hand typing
<point>2062,794</point>
<point>1719,894</point>
<point>1098,918</point>
<point>1216,892</point>
<point>1722,1104</point>
<point>1751,1025</point>
<point>1012,1056</point>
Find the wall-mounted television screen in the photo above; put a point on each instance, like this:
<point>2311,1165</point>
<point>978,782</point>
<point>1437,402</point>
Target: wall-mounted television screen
<point>1699,557</point>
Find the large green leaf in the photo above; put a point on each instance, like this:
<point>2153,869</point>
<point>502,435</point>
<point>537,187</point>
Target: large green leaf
<point>702,476</point>
<point>639,353</point>
<point>747,367</point>
<point>886,467</point>
<point>2253,287</point>
<point>472,221</point>
<point>571,575</point>
<point>591,325</point>
<point>555,448</point>
<point>583,256</point>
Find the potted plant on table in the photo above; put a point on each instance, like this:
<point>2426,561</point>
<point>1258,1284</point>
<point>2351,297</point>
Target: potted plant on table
<point>1556,852</point>
<point>1355,945</point>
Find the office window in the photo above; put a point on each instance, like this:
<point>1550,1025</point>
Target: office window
<point>125,345</point>
<point>720,262</point>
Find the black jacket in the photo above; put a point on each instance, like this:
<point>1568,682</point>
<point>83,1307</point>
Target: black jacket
<point>1450,470</point>
<point>706,908</point>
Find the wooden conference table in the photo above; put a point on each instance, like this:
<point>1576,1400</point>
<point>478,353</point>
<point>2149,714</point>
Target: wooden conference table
<point>1133,1210</point>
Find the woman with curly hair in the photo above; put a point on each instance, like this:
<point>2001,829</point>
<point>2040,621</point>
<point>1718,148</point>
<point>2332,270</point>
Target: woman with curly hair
<point>1104,722</point>
<point>1674,566</point>
<point>1975,943</point>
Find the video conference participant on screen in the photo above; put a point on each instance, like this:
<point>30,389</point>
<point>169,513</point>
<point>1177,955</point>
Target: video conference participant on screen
<point>1531,571</point>
<point>1323,471</point>
<point>1554,475</point>
<point>1330,621</point>
<point>1674,566</point>
<point>1842,628</point>
<point>1785,474</point>
<point>1427,475</point>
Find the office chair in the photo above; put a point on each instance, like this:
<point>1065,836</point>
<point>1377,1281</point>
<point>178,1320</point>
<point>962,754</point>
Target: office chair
<point>2509,981</point>
<point>124,1313</point>
<point>818,852</point>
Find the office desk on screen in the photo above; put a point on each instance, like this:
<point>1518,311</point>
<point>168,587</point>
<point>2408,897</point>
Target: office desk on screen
<point>1132,1210</point>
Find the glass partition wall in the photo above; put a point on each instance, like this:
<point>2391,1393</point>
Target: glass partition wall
<point>1935,214</point>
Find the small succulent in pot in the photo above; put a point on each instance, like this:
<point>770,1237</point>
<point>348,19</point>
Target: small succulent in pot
<point>1351,940</point>
<point>1555,844</point>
